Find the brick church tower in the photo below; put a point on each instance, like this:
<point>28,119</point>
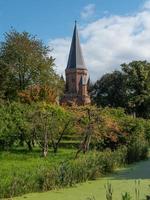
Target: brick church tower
<point>76,75</point>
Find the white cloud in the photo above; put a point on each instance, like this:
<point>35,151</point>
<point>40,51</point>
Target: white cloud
<point>60,52</point>
<point>88,11</point>
<point>109,42</point>
<point>147,5</point>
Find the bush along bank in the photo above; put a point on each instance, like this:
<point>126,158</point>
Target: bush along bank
<point>127,137</point>
<point>66,174</point>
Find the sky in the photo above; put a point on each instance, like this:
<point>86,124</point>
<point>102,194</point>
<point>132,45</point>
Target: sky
<point>111,31</point>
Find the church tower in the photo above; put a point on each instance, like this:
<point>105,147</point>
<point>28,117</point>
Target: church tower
<point>76,75</point>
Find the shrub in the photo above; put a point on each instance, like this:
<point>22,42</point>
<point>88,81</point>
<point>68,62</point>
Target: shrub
<point>137,145</point>
<point>67,173</point>
<point>137,149</point>
<point>134,133</point>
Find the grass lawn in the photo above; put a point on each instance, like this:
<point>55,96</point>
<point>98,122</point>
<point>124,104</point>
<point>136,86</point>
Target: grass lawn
<point>122,181</point>
<point>23,164</point>
<point>23,158</point>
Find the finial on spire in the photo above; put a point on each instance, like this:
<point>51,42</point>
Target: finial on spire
<point>75,22</point>
<point>75,59</point>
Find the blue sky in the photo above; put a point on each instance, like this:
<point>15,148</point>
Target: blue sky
<point>54,18</point>
<point>111,31</point>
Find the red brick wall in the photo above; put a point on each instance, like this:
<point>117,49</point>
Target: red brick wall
<point>76,92</point>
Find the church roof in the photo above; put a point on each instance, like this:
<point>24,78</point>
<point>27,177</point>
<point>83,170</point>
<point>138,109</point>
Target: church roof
<point>75,56</point>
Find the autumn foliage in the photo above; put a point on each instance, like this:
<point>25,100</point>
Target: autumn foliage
<point>38,93</point>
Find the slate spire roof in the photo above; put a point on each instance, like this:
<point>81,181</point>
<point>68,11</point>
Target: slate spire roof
<point>75,60</point>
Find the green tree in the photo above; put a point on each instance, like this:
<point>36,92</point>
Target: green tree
<point>137,75</point>
<point>24,61</point>
<point>110,90</point>
<point>21,116</point>
<point>7,128</point>
<point>129,88</point>
<point>15,125</point>
<point>51,123</point>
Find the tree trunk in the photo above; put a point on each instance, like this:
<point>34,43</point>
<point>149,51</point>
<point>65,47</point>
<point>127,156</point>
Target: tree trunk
<point>54,145</point>
<point>21,142</point>
<point>33,143</point>
<point>45,148</point>
<point>55,149</point>
<point>29,145</point>
<point>45,151</point>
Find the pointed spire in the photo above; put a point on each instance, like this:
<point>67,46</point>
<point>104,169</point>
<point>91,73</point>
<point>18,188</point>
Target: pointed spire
<point>75,56</point>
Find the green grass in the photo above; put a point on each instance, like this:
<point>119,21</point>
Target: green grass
<point>71,141</point>
<point>21,158</point>
<point>23,164</point>
<point>122,181</point>
<point>22,172</point>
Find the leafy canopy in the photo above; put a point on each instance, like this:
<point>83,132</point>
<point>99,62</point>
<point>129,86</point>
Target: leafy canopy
<point>128,88</point>
<point>25,61</point>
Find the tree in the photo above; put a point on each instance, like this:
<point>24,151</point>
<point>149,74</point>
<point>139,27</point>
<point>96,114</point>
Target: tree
<point>25,61</point>
<point>51,123</point>
<point>7,128</point>
<point>129,88</point>
<point>16,126</point>
<point>21,116</point>
<point>137,75</point>
<point>110,90</point>
<point>88,120</point>
<point>38,93</point>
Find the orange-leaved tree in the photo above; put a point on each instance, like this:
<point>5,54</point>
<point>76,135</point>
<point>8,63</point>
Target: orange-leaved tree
<point>38,93</point>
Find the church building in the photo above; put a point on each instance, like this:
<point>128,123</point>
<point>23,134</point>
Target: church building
<point>77,78</point>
